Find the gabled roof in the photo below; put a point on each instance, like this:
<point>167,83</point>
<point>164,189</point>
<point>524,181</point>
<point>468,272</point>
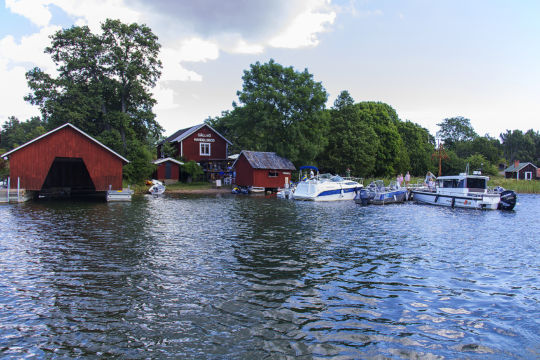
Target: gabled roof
<point>512,168</point>
<point>59,128</point>
<point>184,133</point>
<point>266,160</point>
<point>159,161</point>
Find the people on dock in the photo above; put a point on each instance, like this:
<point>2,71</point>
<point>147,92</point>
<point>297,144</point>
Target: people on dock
<point>407,179</point>
<point>430,179</point>
<point>399,179</point>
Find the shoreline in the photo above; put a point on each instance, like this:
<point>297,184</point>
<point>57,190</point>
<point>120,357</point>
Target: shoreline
<point>199,191</point>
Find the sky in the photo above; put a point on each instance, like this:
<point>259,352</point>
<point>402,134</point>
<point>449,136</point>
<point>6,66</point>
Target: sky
<point>428,59</point>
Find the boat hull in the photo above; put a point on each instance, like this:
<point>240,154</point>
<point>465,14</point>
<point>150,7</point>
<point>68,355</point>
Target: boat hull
<point>309,192</point>
<point>391,197</point>
<point>481,201</point>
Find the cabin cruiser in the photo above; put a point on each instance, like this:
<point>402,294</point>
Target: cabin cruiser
<point>465,191</point>
<point>324,187</point>
<point>379,194</point>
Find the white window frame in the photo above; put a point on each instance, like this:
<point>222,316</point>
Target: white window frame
<point>202,147</point>
<point>528,175</point>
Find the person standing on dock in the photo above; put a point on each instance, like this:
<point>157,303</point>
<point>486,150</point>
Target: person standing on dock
<point>407,179</point>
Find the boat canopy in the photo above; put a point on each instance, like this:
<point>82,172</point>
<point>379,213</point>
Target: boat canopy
<point>308,167</point>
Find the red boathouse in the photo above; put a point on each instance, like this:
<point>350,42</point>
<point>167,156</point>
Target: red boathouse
<point>65,158</point>
<point>262,169</point>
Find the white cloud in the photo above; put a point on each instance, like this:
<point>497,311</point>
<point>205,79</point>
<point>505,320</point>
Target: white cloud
<point>303,30</point>
<point>12,92</point>
<point>34,10</point>
<point>93,13</point>
<point>30,50</point>
<point>198,50</point>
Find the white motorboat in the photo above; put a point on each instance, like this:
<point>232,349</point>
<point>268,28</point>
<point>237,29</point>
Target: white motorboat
<point>157,188</point>
<point>325,187</point>
<point>465,191</point>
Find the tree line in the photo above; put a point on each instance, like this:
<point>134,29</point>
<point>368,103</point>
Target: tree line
<point>283,110</point>
<point>103,87</point>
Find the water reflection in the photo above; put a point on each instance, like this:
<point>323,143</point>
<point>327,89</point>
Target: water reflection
<point>245,277</point>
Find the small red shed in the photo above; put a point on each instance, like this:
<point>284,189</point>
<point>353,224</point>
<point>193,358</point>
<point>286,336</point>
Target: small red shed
<point>262,169</point>
<point>202,144</point>
<point>168,170</point>
<point>521,171</point>
<point>65,157</point>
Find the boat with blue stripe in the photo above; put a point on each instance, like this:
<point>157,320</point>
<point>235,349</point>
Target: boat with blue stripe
<point>324,187</point>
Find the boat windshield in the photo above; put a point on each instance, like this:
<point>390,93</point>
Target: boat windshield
<point>337,178</point>
<point>476,183</point>
<point>451,183</point>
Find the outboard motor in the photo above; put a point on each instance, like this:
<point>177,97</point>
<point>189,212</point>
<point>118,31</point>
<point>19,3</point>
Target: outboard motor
<point>508,200</point>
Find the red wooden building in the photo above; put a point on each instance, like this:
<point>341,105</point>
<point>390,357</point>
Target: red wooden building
<point>521,171</point>
<point>168,170</point>
<point>65,157</point>
<point>262,169</point>
<point>202,144</point>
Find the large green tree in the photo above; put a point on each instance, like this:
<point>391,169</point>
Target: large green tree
<point>280,109</point>
<point>490,148</point>
<point>519,146</point>
<point>103,87</point>
<point>352,142</point>
<point>420,146</point>
<point>453,130</point>
<point>390,156</point>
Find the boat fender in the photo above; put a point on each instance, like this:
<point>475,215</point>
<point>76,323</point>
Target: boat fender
<point>436,198</point>
<point>453,202</point>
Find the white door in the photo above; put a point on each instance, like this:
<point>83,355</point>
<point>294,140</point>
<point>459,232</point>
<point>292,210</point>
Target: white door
<point>528,175</point>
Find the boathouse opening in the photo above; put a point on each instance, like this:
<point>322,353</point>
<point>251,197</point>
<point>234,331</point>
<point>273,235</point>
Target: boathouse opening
<point>68,177</point>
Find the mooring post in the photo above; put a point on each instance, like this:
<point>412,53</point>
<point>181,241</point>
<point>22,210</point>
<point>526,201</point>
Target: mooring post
<point>18,187</point>
<point>7,192</point>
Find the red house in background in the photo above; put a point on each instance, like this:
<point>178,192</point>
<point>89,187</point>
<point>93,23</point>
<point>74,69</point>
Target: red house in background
<point>204,145</point>
<point>522,171</point>
<point>262,170</point>
<point>66,158</point>
<point>168,170</point>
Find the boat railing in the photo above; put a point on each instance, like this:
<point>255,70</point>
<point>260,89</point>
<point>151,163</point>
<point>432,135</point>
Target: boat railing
<point>352,178</point>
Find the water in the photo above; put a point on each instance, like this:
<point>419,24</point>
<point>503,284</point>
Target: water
<point>227,277</point>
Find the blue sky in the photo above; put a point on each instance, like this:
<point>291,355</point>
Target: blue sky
<point>428,59</point>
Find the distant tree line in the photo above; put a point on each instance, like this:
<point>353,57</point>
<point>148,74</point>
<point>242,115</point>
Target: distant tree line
<point>103,87</point>
<point>463,145</point>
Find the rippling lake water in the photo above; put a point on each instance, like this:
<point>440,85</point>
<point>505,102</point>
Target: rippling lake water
<point>206,277</point>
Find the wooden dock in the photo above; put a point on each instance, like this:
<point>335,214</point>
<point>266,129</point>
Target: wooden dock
<point>8,196</point>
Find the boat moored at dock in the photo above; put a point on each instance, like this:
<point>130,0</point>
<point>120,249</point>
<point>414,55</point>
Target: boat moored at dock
<point>378,194</point>
<point>325,187</point>
<point>465,191</point>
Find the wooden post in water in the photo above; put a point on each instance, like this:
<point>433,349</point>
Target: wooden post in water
<point>7,191</point>
<point>18,188</point>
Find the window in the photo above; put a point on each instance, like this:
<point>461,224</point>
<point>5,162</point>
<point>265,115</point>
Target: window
<point>474,183</point>
<point>272,174</point>
<point>204,149</point>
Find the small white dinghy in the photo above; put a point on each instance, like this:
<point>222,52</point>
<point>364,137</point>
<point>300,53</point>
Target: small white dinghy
<point>157,188</point>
